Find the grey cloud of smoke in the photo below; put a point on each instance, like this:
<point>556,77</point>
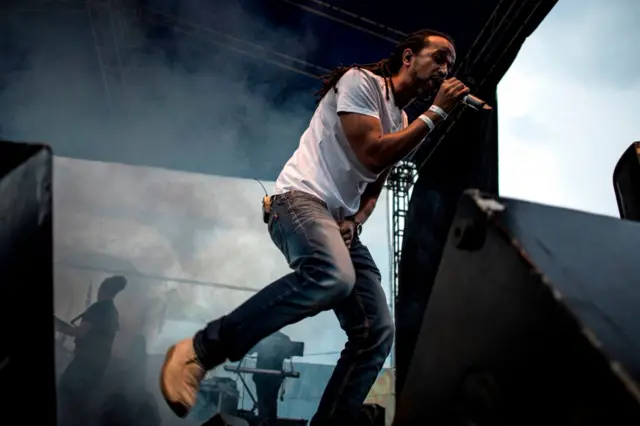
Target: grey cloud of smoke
<point>183,101</point>
<point>189,103</point>
<point>126,218</point>
<point>197,107</point>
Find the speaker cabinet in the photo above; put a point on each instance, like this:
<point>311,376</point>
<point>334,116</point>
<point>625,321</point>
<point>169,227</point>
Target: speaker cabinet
<point>223,419</point>
<point>26,283</point>
<point>534,319</point>
<point>626,183</point>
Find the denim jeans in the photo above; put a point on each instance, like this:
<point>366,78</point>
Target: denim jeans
<point>326,275</point>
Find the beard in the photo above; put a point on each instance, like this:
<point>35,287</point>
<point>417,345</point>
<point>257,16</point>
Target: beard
<point>426,87</point>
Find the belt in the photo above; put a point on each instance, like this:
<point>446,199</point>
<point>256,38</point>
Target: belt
<point>277,197</point>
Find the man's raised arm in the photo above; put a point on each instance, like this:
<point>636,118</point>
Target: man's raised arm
<point>358,106</point>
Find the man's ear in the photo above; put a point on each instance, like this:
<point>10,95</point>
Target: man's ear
<point>407,56</point>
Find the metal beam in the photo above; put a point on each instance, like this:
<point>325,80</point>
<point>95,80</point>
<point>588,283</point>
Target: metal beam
<point>132,273</point>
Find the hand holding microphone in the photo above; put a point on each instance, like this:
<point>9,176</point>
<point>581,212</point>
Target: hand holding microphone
<point>452,92</point>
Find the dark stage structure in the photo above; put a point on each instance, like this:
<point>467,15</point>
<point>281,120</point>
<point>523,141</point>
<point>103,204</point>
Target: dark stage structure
<point>626,183</point>
<point>26,273</point>
<point>531,321</point>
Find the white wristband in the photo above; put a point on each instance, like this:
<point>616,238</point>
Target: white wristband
<point>439,111</point>
<point>429,122</point>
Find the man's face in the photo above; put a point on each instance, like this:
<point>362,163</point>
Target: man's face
<point>431,65</point>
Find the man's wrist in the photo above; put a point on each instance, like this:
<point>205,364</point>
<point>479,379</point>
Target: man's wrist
<point>434,117</point>
<point>439,111</point>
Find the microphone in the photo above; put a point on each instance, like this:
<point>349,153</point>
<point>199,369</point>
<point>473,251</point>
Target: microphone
<point>476,103</point>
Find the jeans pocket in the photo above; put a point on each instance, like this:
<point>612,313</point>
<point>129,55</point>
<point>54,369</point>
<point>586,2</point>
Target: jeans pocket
<point>275,230</point>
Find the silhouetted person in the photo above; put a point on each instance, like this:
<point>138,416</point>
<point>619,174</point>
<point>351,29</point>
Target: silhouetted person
<point>93,341</point>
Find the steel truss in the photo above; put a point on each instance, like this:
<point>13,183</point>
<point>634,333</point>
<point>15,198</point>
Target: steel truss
<point>399,183</point>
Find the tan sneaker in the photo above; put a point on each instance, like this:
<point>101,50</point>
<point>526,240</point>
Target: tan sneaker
<point>180,377</point>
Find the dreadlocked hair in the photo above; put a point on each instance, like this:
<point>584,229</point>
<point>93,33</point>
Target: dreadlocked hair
<point>386,67</point>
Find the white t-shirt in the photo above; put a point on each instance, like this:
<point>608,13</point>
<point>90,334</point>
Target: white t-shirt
<point>324,164</point>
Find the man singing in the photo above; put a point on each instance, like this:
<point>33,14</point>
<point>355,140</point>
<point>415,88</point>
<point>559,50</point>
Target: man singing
<point>323,196</point>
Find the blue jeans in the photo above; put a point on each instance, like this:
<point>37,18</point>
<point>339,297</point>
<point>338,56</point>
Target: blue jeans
<point>326,275</point>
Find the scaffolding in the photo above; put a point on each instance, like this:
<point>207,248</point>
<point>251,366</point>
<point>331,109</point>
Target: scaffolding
<point>399,184</point>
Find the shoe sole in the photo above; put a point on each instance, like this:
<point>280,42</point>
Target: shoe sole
<point>178,409</point>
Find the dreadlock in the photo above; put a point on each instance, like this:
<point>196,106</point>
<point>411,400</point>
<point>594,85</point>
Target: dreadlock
<point>386,67</point>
